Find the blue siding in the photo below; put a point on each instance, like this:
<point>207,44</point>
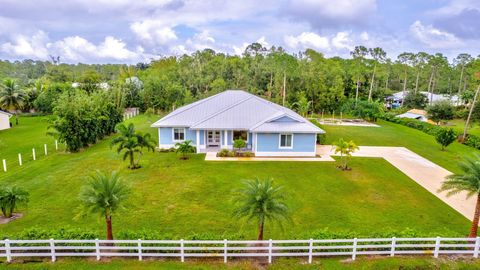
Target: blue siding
<point>268,142</point>
<point>250,138</point>
<point>166,135</point>
<point>191,135</point>
<point>202,137</point>
<point>284,119</point>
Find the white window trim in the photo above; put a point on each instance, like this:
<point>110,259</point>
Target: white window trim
<point>248,135</point>
<point>280,141</point>
<point>184,135</point>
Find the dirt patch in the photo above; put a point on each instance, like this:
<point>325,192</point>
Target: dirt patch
<point>4,220</point>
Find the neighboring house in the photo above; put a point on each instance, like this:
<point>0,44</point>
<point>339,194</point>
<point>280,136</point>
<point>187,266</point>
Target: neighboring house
<point>415,114</point>
<point>397,98</point>
<point>215,122</point>
<point>5,120</point>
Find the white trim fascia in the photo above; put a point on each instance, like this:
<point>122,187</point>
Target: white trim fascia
<point>197,141</point>
<point>280,141</point>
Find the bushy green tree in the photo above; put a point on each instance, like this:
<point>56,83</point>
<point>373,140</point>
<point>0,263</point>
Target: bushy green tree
<point>445,136</point>
<point>440,111</point>
<point>415,100</point>
<point>363,109</point>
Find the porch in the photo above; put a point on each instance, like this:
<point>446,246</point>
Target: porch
<point>214,140</point>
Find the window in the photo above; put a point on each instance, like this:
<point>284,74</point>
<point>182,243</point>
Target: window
<point>240,135</point>
<point>286,141</point>
<point>178,134</point>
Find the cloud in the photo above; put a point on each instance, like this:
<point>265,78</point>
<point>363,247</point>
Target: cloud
<point>342,40</point>
<point>433,37</point>
<point>24,46</point>
<point>307,40</point>
<point>153,32</point>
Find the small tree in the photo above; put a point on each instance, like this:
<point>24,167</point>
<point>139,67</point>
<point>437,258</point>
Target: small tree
<point>104,194</point>
<point>445,137</point>
<point>440,111</point>
<point>345,149</point>
<point>10,198</point>
<point>184,148</point>
<point>132,142</point>
<point>261,201</point>
<point>415,100</point>
<point>239,143</point>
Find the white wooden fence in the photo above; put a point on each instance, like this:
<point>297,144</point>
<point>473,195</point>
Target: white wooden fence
<point>227,249</point>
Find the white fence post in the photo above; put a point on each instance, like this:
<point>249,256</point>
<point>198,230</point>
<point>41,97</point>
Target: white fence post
<point>20,159</point>
<point>392,249</point>
<point>437,247</point>
<point>4,165</point>
<point>56,145</point>
<point>182,251</point>
<point>140,257</point>
<point>52,250</point>
<point>8,252</point>
<point>33,153</point>
<point>97,249</point>
<point>310,251</point>
<point>354,249</point>
<point>477,246</point>
<point>270,246</point>
<point>225,250</point>
<point>45,148</point>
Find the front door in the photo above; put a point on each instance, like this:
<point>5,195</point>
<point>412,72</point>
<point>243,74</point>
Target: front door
<point>213,138</point>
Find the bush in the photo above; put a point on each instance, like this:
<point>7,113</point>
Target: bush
<point>415,100</point>
<point>440,111</point>
<point>239,143</point>
<point>225,153</point>
<point>167,150</point>
<point>445,137</point>
<point>472,141</point>
<point>367,110</point>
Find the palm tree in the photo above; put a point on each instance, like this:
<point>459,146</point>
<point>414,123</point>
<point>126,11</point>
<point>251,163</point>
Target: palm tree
<point>11,98</point>
<point>104,195</point>
<point>261,200</point>
<point>132,142</point>
<point>345,149</point>
<point>10,197</point>
<point>184,148</point>
<point>468,181</point>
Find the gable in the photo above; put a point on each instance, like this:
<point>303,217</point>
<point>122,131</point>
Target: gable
<point>284,118</point>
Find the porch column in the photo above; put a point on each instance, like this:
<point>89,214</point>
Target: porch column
<point>226,138</point>
<point>198,141</point>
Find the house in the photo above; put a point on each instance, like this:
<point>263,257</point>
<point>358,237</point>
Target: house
<point>5,120</point>
<point>396,98</point>
<point>415,114</point>
<point>215,122</point>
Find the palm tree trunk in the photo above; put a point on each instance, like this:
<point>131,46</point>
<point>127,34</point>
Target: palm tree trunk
<point>460,81</point>
<point>416,82</point>
<point>132,161</point>
<point>356,91</point>
<point>472,106</point>
<point>371,83</point>
<point>108,219</point>
<point>474,228</point>
<point>260,231</point>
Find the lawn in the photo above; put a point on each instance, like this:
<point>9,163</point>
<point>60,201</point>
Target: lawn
<point>183,198</point>
<point>459,126</point>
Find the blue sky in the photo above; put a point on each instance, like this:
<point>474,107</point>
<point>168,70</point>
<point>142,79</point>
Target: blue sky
<point>123,31</point>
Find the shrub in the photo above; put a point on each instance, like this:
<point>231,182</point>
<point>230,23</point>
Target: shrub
<point>225,153</point>
<point>472,141</point>
<point>440,111</point>
<point>245,154</point>
<point>367,110</point>
<point>415,100</point>
<point>239,143</point>
<point>445,137</point>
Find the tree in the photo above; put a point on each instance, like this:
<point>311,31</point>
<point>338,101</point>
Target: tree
<point>440,111</point>
<point>379,56</point>
<point>345,149</point>
<point>468,181</point>
<point>302,105</point>
<point>105,195</point>
<point>11,98</point>
<point>358,54</point>
<point>132,142</point>
<point>405,59</point>
<point>472,107</point>
<point>415,100</point>
<point>184,148</point>
<point>10,198</point>
<point>461,61</point>
<point>262,201</point>
<point>445,137</point>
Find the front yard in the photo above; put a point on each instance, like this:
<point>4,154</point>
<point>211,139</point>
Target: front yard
<point>177,198</point>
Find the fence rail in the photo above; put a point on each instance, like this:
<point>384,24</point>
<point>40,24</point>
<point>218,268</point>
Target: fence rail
<point>228,249</point>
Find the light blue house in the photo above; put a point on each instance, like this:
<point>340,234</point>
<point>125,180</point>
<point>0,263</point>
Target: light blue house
<point>215,122</point>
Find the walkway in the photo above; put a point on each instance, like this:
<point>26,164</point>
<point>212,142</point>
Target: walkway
<point>426,173</point>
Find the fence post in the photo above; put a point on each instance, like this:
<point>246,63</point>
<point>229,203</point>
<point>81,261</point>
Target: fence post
<point>437,247</point>
<point>52,250</point>
<point>45,148</point>
<point>140,257</point>
<point>310,251</point>
<point>20,159</point>
<point>225,250</point>
<point>392,249</point>
<point>7,250</point>
<point>56,145</point>
<point>33,153</point>
<point>270,246</point>
<point>182,251</point>
<point>354,249</point>
<point>477,246</point>
<point>97,249</point>
<point>4,165</point>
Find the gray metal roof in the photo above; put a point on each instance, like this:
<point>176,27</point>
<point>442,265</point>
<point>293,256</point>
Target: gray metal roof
<point>236,110</point>
<point>7,113</point>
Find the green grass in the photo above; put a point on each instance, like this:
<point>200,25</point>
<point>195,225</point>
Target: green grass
<point>364,263</point>
<point>390,134</point>
<point>459,125</point>
<point>179,198</point>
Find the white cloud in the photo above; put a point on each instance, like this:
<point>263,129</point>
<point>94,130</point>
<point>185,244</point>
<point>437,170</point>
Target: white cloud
<point>433,37</point>
<point>153,32</point>
<point>24,46</point>
<point>307,40</point>
<point>364,36</point>
<point>342,40</point>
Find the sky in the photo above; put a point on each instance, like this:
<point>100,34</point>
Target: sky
<point>131,31</point>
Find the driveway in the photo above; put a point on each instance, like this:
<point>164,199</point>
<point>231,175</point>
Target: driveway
<point>426,173</point>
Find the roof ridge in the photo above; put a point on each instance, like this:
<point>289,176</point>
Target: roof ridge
<point>224,110</point>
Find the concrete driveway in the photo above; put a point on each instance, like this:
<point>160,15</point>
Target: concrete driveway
<point>426,173</point>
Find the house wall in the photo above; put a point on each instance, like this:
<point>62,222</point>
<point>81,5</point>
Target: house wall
<point>267,144</point>
<point>4,121</point>
<point>165,137</point>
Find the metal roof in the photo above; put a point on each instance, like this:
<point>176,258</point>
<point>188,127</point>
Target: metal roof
<point>236,110</point>
<point>7,113</point>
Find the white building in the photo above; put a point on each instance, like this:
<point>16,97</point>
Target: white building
<point>5,120</point>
